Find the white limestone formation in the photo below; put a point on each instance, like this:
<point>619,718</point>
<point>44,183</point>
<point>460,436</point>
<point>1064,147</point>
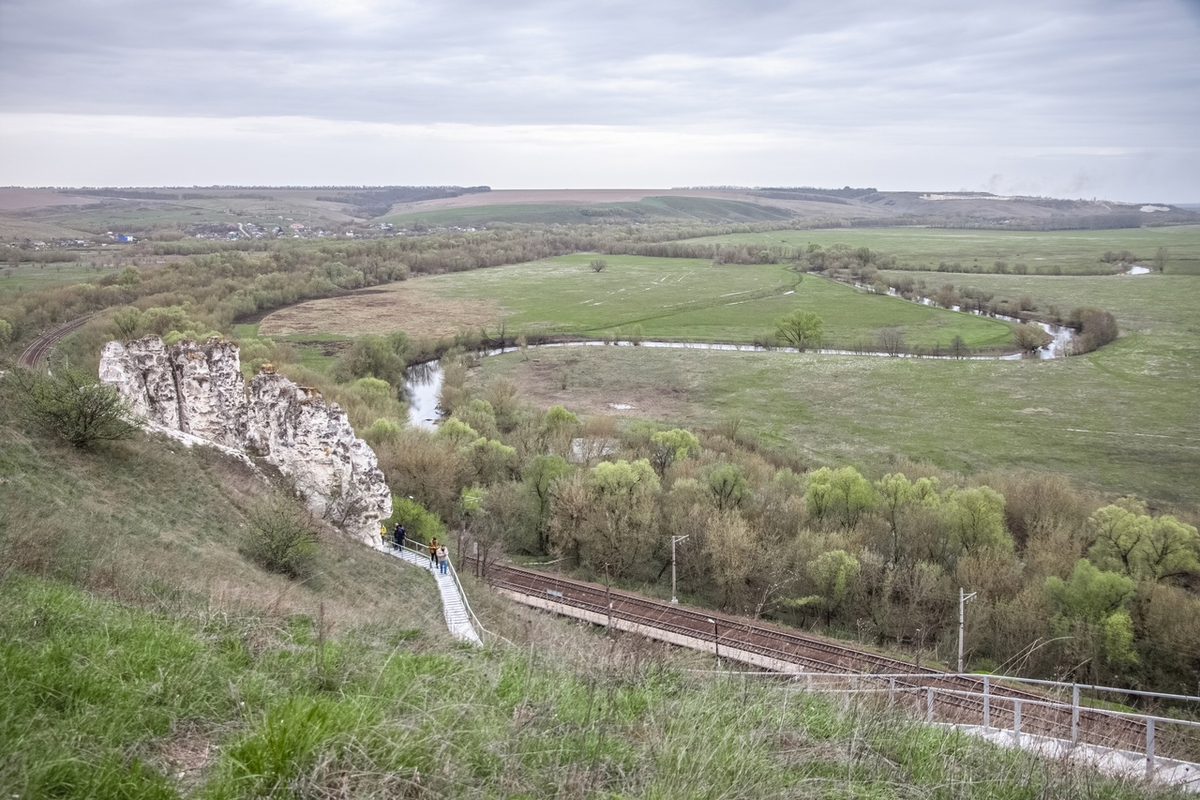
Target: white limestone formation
<point>198,389</point>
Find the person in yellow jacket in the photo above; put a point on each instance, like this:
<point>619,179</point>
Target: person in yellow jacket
<point>433,548</point>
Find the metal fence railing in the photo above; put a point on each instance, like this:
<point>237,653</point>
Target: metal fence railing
<point>1004,711</point>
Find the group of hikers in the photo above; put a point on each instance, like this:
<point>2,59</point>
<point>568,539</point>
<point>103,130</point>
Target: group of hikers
<point>439,556</point>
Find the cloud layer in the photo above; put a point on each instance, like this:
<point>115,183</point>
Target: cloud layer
<point>1079,97</point>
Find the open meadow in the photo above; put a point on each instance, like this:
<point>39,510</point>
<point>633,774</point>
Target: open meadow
<point>1123,419</point>
<point>1107,428</point>
<point>672,299</point>
<point>976,250</point>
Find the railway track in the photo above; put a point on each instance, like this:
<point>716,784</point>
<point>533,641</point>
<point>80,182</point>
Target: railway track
<point>955,698</point>
<point>40,348</point>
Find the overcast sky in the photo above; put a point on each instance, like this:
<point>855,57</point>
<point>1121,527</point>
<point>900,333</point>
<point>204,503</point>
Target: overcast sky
<point>1066,98</point>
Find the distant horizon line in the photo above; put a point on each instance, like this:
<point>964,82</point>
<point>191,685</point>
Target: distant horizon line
<point>477,187</point>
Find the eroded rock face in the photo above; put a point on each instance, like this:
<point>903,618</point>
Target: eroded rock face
<point>311,441</point>
<point>142,373</point>
<point>208,380</point>
<point>199,389</point>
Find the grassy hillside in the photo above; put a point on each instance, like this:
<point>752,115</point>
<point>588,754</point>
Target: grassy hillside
<point>143,656</point>
<point>650,209</point>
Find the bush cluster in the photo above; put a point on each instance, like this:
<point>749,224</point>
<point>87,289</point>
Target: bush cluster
<point>283,538</point>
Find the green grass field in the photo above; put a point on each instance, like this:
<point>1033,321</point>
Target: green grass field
<point>1073,252</point>
<point>1123,418</point>
<point>1090,418</point>
<point>27,276</point>
<point>692,299</point>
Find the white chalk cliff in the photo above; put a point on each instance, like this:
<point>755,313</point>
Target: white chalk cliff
<point>199,389</point>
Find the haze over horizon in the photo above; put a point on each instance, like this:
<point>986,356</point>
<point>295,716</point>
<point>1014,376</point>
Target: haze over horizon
<point>1079,98</point>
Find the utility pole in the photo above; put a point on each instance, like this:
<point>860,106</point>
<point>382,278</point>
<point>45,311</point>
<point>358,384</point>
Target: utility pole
<point>716,641</point>
<point>962,602</point>
<point>674,539</point>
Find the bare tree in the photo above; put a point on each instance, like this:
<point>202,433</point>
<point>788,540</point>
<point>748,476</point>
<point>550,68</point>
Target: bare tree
<point>891,340</point>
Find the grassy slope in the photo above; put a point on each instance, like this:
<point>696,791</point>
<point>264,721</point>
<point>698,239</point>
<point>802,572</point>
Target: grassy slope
<point>180,670</point>
<point>650,208</point>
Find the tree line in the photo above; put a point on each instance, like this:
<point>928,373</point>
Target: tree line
<point>1070,585</point>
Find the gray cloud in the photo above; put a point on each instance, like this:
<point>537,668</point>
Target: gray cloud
<point>1078,73</point>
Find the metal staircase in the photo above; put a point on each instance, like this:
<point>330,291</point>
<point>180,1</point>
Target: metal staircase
<point>459,618</point>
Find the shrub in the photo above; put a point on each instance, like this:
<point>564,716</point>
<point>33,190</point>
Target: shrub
<point>1096,328</point>
<point>420,524</point>
<point>73,406</point>
<point>283,538</point>
<point>1029,338</point>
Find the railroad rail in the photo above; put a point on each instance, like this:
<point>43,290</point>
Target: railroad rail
<point>966,699</point>
<point>40,348</point>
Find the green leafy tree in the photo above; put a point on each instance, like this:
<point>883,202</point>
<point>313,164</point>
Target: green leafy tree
<point>479,415</point>
<point>557,430</point>
<point>624,496</point>
<point>728,487</point>
<point>373,390</point>
<point>373,356</point>
<point>801,330</point>
<point>1143,547</point>
<point>127,321</point>
<point>457,432</point>
<point>73,406</point>
<point>832,574</point>
<point>975,518</point>
<point>494,461</point>
<point>840,496</point>
<point>1091,608</point>
<point>541,476</point>
<point>5,332</point>
<point>382,432</point>
<point>420,524</point>
<point>897,496</point>
<point>670,446</point>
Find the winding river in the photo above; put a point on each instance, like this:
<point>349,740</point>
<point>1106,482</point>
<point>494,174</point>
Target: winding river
<point>423,384</point>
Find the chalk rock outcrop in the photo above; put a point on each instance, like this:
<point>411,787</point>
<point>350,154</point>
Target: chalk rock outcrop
<point>198,389</point>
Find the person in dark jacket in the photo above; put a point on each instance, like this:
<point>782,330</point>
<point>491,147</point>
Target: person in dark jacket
<point>399,535</point>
